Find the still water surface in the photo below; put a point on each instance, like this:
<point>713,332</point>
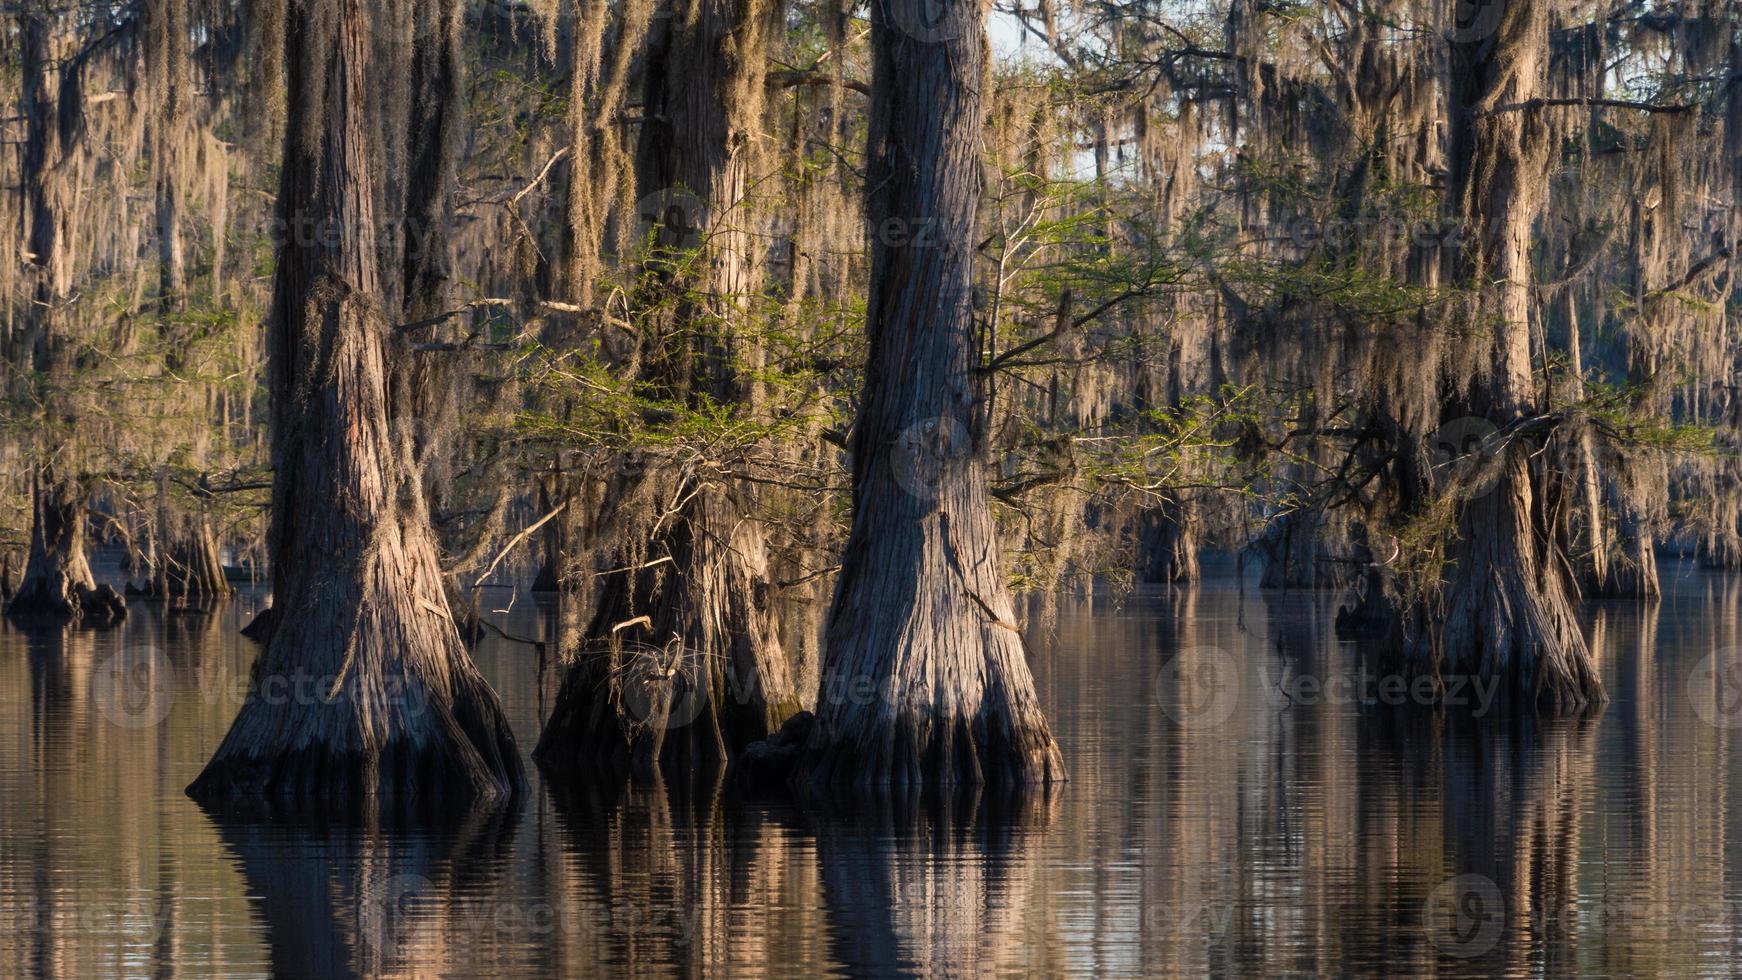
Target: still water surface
<point>1234,810</point>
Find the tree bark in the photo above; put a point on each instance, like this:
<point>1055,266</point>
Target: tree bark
<point>57,584</point>
<point>8,576</point>
<point>702,672</point>
<point>1169,543</point>
<point>683,667</point>
<point>1509,615</point>
<point>1632,573</point>
<point>925,682</point>
<point>185,563</point>
<point>1300,552</point>
<point>364,693</point>
<point>168,49</point>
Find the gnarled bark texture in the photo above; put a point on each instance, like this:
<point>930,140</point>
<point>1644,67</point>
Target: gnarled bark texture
<point>364,692</point>
<point>187,565</point>
<point>1509,614</point>
<point>682,665</point>
<point>925,682</point>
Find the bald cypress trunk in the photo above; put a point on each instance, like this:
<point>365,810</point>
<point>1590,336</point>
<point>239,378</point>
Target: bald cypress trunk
<point>683,664</point>
<point>168,49</point>
<point>57,583</point>
<point>1508,598</point>
<point>1169,543</point>
<point>57,577</point>
<point>364,692</point>
<point>185,563</point>
<point>189,567</point>
<point>925,682</point>
<point>1633,573</point>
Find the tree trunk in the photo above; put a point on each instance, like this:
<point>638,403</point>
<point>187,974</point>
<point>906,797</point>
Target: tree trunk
<point>168,51</point>
<point>552,576</point>
<point>8,576</point>
<point>1312,549</point>
<point>1169,544</point>
<point>364,692</point>
<point>57,584</point>
<point>56,569</point>
<point>925,681</point>
<point>683,665</point>
<point>1632,573</point>
<point>186,565</point>
<point>1586,532</point>
<point>171,264</point>
<point>1509,617</point>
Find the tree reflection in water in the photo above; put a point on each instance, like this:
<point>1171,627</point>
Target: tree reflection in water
<point>1224,817</point>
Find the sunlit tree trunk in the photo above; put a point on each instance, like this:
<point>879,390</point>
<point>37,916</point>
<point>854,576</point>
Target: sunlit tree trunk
<point>397,709</point>
<point>683,663</point>
<point>925,681</point>
<point>1508,611</point>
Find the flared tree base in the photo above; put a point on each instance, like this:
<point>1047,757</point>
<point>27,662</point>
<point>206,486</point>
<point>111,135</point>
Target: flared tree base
<point>43,601</point>
<point>189,569</point>
<point>364,695</point>
<point>919,752</point>
<point>683,667</point>
<point>460,750</point>
<point>1632,574</point>
<point>259,629</point>
<point>1509,638</point>
<point>1168,546</point>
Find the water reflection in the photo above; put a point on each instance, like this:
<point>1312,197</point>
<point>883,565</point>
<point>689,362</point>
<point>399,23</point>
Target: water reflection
<point>935,887</point>
<point>674,874</point>
<point>344,900</point>
<point>1239,805</point>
